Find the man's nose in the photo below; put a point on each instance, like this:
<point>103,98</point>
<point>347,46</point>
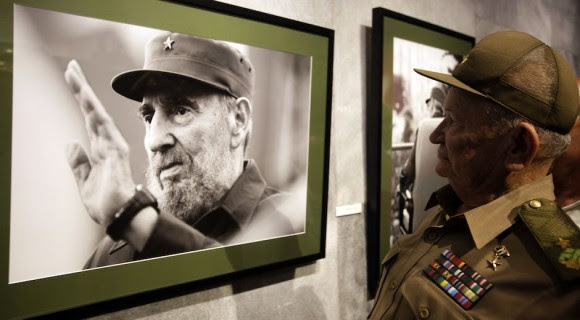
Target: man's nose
<point>159,135</point>
<point>438,135</point>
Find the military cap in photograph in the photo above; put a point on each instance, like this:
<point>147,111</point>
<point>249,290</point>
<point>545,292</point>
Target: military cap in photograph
<point>175,55</point>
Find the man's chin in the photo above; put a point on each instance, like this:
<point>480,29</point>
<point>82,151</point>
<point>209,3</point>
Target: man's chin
<point>442,170</point>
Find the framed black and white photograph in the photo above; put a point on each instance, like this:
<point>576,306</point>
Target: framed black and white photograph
<point>154,146</point>
<point>402,105</point>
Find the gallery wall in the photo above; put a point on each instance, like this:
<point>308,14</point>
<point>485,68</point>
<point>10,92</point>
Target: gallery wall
<point>335,287</point>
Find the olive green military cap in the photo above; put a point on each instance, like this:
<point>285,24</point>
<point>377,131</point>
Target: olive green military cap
<point>522,74</point>
<point>171,56</point>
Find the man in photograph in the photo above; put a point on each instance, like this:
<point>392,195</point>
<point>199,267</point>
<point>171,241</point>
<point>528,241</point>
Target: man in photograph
<point>202,192</point>
<point>498,246</point>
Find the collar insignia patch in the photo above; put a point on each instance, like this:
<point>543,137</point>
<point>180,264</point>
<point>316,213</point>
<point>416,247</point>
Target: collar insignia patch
<point>570,257</point>
<point>459,281</point>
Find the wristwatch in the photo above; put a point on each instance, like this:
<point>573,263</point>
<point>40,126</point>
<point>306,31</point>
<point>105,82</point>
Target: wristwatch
<point>140,200</point>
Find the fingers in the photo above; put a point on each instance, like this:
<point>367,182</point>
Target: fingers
<point>80,87</point>
<point>79,162</point>
<point>100,127</point>
<point>91,107</point>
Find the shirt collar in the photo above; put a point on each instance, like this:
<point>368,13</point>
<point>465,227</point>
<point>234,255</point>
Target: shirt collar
<point>238,205</point>
<point>488,221</point>
<point>245,195</point>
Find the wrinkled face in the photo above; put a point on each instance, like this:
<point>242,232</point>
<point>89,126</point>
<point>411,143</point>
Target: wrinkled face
<point>470,150</point>
<point>188,145</point>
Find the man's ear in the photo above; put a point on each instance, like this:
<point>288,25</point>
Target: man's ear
<point>242,120</point>
<point>524,147</point>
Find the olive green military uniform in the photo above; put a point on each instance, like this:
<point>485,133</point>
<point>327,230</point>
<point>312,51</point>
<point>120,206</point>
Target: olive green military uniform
<point>525,285</point>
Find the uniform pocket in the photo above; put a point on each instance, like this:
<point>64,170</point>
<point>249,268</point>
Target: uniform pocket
<point>427,300</point>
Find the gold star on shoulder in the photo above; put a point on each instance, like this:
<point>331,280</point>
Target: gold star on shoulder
<point>168,44</point>
<point>563,243</point>
<point>572,265</point>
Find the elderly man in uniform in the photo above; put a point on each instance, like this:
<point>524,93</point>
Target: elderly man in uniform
<point>195,97</point>
<point>496,246</point>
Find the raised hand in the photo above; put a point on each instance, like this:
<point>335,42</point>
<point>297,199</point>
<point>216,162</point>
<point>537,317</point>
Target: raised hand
<point>103,174</point>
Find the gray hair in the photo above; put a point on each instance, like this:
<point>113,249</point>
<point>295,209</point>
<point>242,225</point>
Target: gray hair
<point>552,144</point>
<point>537,73</point>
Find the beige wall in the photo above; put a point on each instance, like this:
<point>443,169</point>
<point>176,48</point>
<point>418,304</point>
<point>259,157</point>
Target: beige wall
<point>335,287</point>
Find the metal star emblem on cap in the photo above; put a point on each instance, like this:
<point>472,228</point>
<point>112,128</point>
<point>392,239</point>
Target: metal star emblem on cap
<point>168,42</point>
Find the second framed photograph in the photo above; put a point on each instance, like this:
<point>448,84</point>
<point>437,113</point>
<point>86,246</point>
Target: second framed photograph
<point>400,103</point>
<point>155,143</point>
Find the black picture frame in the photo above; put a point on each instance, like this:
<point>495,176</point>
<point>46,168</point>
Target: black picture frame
<point>381,150</point>
<point>166,275</point>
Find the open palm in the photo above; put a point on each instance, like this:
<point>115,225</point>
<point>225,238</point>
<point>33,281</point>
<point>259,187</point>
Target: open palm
<point>103,174</point>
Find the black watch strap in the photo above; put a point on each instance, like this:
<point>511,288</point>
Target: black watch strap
<point>142,199</point>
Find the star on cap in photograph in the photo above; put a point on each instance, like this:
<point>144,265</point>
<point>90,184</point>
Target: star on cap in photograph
<point>168,42</point>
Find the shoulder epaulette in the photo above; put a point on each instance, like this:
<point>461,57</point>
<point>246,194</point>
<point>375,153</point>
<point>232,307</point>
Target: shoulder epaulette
<point>556,233</point>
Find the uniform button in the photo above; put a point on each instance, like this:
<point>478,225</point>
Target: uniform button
<point>393,285</point>
<point>424,313</point>
<point>431,236</point>
<point>535,204</point>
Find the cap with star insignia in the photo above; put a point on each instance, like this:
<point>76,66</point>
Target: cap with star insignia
<point>496,68</point>
<point>173,57</point>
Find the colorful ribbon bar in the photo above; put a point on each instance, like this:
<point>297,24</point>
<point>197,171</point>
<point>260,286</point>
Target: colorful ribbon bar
<point>467,270</point>
<point>459,281</point>
<point>467,292</point>
<point>474,286</point>
<point>450,290</point>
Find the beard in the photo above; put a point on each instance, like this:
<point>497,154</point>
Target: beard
<point>197,188</point>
